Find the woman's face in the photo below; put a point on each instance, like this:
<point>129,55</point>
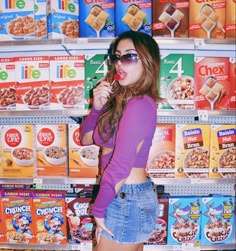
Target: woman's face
<point>130,72</point>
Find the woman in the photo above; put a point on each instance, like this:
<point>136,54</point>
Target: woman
<point>122,122</point>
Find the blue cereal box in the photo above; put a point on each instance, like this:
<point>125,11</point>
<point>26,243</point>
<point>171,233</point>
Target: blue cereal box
<point>40,19</point>
<point>134,15</point>
<point>218,220</point>
<point>183,220</point>
<point>97,18</point>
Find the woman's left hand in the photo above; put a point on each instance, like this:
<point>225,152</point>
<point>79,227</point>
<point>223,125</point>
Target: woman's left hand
<point>101,227</point>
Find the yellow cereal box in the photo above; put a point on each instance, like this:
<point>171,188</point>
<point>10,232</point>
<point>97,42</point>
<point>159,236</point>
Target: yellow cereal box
<point>18,155</point>
<point>223,151</point>
<point>51,150</point>
<point>83,160</point>
<point>192,150</point>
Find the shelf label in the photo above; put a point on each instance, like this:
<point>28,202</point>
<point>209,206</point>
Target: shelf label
<point>86,246</point>
<point>191,246</point>
<point>38,183</point>
<point>203,115</point>
<point>75,247</point>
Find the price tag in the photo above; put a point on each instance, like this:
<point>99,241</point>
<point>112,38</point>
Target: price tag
<point>86,247</point>
<point>191,246</point>
<point>203,115</point>
<point>75,247</point>
<point>38,183</point>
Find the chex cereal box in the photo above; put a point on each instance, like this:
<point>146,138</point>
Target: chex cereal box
<point>16,19</point>
<point>230,19</point>
<point>207,19</point>
<point>184,217</point>
<point>232,84</point>
<point>83,160</point>
<point>161,160</point>
<point>95,69</point>
<point>192,150</point>
<point>17,211</point>
<point>32,77</point>
<point>63,19</point>
<point>217,220</point>
<point>51,149</point>
<point>211,76</point>
<point>97,19</point>
<point>2,224</point>
<point>40,19</point>
<point>223,151</point>
<point>18,154</point>
<point>50,219</point>
<point>170,18</point>
<point>133,15</point>
<point>176,81</point>
<point>7,84</point>
<point>67,82</point>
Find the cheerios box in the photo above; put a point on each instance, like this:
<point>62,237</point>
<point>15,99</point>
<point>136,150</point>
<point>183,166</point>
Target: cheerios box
<point>18,153</point>
<point>40,19</point>
<point>83,160</point>
<point>16,20</point>
<point>51,149</point>
<point>97,19</point>
<point>217,220</point>
<point>184,217</point>
<point>176,81</point>
<point>232,83</point>
<point>223,151</point>
<point>133,15</point>
<point>192,150</point>
<point>230,19</point>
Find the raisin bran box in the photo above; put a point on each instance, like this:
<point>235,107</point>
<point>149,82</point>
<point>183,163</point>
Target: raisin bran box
<point>232,84</point>
<point>230,19</point>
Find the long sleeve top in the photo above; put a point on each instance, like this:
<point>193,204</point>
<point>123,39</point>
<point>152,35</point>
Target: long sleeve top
<point>137,124</point>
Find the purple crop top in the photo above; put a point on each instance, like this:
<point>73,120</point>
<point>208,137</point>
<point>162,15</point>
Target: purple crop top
<point>138,123</point>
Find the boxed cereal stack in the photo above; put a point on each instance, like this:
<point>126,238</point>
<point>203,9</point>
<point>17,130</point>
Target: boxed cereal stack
<point>232,84</point>
<point>40,19</point>
<point>230,20</point>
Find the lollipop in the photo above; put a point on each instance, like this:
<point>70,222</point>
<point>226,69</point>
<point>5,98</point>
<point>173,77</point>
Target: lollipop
<point>116,77</point>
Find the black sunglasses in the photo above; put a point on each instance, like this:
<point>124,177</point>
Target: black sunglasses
<point>130,58</point>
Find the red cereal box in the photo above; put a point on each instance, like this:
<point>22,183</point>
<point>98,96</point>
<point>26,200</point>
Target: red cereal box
<point>230,19</point>
<point>232,84</point>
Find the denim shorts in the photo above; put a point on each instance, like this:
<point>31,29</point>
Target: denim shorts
<point>132,214</point>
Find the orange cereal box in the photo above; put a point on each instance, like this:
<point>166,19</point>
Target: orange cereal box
<point>230,19</point>
<point>17,214</point>
<point>223,151</point>
<point>2,226</point>
<point>51,149</point>
<point>83,160</point>
<point>192,150</point>
<point>232,84</point>
<point>207,19</point>
<point>50,217</point>
<point>18,154</point>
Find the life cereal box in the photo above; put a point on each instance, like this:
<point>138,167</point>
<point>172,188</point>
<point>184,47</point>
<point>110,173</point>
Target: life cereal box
<point>51,149</point>
<point>32,77</point>
<point>97,19</point>
<point>218,220</point>
<point>230,19</point>
<point>232,84</point>
<point>83,160</point>
<point>170,18</point>
<point>16,19</point>
<point>7,84</point>
<point>161,160</point>
<point>135,15</point>
<point>223,151</point>
<point>211,77</point>
<point>17,214</point>
<point>18,154</point>
<point>207,19</point>
<point>50,219</point>
<point>184,217</point>
<point>192,150</point>
<point>40,19</point>
<point>67,82</point>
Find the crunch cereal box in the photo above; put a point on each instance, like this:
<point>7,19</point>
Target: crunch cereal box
<point>2,226</point>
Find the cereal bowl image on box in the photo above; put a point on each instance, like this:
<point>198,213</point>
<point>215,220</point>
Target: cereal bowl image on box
<point>227,158</point>
<point>89,155</point>
<point>197,158</point>
<point>23,156</point>
<point>162,159</point>
<point>55,155</point>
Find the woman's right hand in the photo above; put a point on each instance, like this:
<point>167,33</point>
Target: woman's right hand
<point>101,93</point>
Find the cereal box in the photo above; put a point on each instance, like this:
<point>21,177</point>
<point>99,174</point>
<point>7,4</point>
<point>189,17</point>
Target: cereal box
<point>51,149</point>
<point>176,81</point>
<point>161,160</point>
<point>17,214</point>
<point>63,19</point>
<point>97,19</point>
<point>223,151</point>
<point>232,84</point>
<point>83,160</point>
<point>184,217</point>
<point>170,18</point>
<point>67,82</point>
<point>192,150</point>
<point>32,77</point>
<point>211,77</point>
<point>207,19</point>
<point>7,84</point>
<point>18,154</point>
<point>50,218</point>
<point>40,19</point>
<point>135,15</point>
<point>218,220</point>
<point>16,20</point>
<point>2,225</point>
<point>95,69</point>
<point>230,19</point>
